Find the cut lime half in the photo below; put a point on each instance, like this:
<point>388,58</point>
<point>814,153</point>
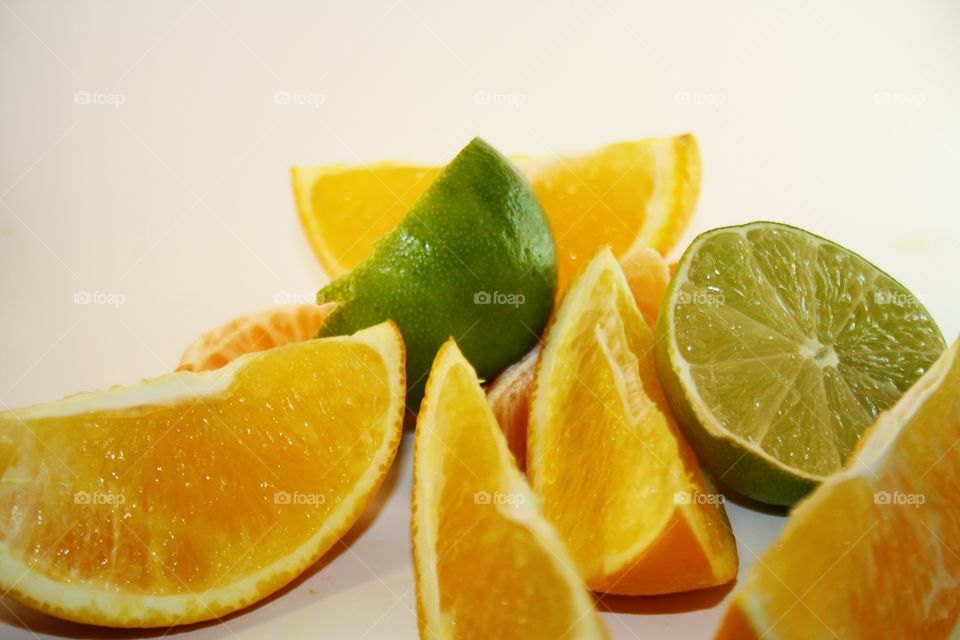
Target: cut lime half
<point>778,348</point>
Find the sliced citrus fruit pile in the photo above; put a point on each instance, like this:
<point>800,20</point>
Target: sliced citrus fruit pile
<point>488,565</point>
<point>509,394</point>
<point>873,552</point>
<point>192,495</point>
<point>266,329</point>
<point>472,259</point>
<point>622,194</point>
<point>616,477</point>
<point>778,348</point>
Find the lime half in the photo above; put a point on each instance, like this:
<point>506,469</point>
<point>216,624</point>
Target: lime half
<point>778,348</point>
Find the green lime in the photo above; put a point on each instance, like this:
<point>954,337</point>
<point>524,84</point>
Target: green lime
<point>778,348</point>
<point>473,259</point>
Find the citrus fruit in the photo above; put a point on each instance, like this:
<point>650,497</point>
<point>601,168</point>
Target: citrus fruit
<point>344,210</point>
<point>622,195</point>
<point>488,565</point>
<point>648,276</point>
<point>509,393</point>
<point>509,398</point>
<point>273,327</point>
<point>192,495</point>
<point>872,553</point>
<point>616,477</point>
<point>473,259</point>
<point>627,193</point>
<point>777,348</point>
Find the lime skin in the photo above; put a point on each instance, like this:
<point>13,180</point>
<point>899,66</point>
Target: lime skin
<point>474,259</point>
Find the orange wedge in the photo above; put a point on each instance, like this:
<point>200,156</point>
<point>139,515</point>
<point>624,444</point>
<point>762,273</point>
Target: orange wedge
<point>269,328</point>
<point>623,194</point>
<point>488,565</point>
<point>509,394</point>
<point>874,552</point>
<point>603,451</point>
<point>192,495</point>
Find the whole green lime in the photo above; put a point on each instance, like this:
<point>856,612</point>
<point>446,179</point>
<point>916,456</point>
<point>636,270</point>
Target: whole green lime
<point>777,349</point>
<point>474,259</point>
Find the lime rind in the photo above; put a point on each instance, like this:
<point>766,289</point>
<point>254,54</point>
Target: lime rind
<point>474,259</point>
<point>778,348</point>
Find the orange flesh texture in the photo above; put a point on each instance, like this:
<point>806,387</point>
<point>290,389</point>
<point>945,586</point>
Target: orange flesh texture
<point>486,561</point>
<point>635,454</point>
<point>847,566</point>
<point>197,481</point>
<point>509,395</point>
<point>400,186</point>
<point>608,211</point>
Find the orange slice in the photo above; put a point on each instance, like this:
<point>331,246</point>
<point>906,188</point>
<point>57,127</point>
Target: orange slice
<point>488,565</point>
<point>269,328</point>
<point>623,194</point>
<point>603,451</point>
<point>192,495</point>
<point>874,552</point>
<point>509,394</point>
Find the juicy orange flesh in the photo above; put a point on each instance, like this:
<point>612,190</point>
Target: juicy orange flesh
<point>600,208</point>
<point>620,446</point>
<point>630,447</point>
<point>198,482</point>
<point>495,598</point>
<point>385,201</point>
<point>853,566</point>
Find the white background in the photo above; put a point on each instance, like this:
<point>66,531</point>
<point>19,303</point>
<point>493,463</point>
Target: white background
<point>843,118</point>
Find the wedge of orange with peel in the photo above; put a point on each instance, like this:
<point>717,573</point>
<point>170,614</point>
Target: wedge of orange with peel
<point>273,327</point>
<point>874,552</point>
<point>624,194</point>
<point>604,452</point>
<point>488,565</point>
<point>192,495</point>
<point>509,394</point>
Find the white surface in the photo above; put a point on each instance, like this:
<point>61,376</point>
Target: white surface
<point>843,119</point>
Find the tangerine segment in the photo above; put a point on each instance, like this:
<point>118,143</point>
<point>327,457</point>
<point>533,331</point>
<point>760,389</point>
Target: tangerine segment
<point>616,477</point>
<point>192,495</point>
<point>873,552</point>
<point>266,329</point>
<point>488,564</point>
